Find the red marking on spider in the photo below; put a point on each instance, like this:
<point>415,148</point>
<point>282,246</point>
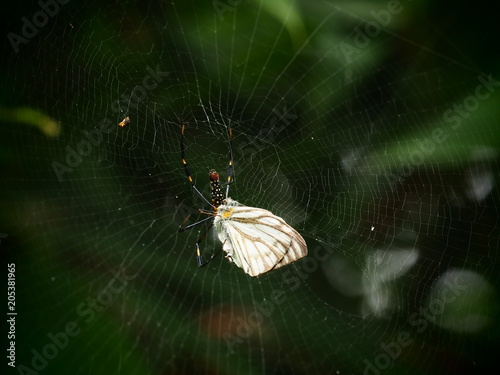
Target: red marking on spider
<point>214,176</point>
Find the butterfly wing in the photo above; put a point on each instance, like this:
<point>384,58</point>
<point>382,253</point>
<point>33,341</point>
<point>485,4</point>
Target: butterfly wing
<point>257,240</point>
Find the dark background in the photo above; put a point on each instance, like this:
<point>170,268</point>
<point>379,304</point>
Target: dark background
<point>328,132</point>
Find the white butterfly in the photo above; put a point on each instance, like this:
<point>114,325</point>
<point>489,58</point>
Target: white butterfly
<point>255,239</point>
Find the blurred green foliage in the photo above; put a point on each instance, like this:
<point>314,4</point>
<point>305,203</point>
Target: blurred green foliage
<point>361,105</point>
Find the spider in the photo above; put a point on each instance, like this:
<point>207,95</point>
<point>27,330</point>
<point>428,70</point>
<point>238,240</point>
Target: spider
<point>217,197</point>
<point>254,239</point>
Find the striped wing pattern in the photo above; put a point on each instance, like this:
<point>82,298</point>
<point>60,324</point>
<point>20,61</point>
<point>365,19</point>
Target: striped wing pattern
<point>255,239</point>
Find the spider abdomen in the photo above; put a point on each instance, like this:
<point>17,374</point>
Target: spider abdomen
<point>215,188</point>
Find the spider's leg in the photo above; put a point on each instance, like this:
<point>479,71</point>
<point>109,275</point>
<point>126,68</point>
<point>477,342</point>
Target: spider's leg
<point>182,229</point>
<point>198,251</point>
<point>230,169</point>
<point>187,171</point>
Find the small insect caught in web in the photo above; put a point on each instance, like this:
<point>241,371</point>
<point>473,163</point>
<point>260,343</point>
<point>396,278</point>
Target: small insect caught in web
<point>124,122</point>
<point>253,238</point>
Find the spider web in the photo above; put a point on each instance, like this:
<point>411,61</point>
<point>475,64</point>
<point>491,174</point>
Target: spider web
<point>366,126</point>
